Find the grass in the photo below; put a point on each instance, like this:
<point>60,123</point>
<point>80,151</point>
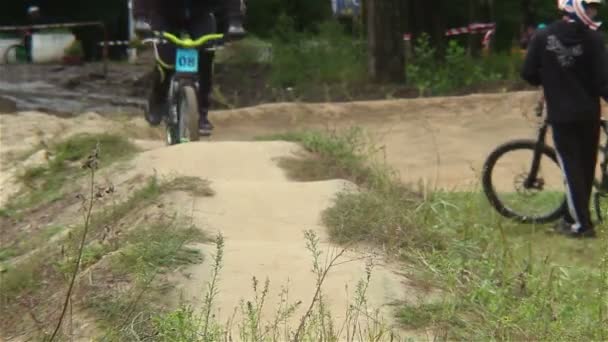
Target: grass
<point>161,247</point>
<point>303,60</point>
<point>47,268</point>
<point>187,323</point>
<point>44,184</point>
<point>500,280</point>
<point>509,281</point>
<point>333,155</point>
<point>27,242</point>
<point>146,253</point>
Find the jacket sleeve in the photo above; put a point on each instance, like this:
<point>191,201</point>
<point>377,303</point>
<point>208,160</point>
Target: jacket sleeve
<point>600,67</point>
<point>143,8</point>
<point>531,71</point>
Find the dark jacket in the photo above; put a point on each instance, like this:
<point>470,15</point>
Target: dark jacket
<point>150,8</point>
<point>570,62</point>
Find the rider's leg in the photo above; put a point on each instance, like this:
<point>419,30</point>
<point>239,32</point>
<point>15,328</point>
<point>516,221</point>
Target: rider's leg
<point>591,143</point>
<point>573,149</point>
<point>202,24</point>
<point>157,100</point>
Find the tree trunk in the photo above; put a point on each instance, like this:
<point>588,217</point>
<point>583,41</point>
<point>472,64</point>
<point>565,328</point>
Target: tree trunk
<point>385,40</point>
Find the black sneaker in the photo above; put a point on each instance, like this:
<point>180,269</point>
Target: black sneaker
<point>205,128</point>
<point>157,108</point>
<point>567,229</point>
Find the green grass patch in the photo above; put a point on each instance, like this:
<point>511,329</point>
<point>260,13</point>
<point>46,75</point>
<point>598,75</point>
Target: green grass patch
<point>146,252</point>
<point>306,60</point>
<point>334,155</point>
<point>500,280</point>
<point>28,241</point>
<point>420,316</point>
<point>20,279</point>
<point>45,184</point>
<point>510,281</point>
<point>17,280</point>
<point>158,248</point>
<point>385,218</point>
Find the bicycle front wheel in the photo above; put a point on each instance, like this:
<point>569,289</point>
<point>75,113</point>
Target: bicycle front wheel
<point>11,54</point>
<point>188,114</point>
<point>517,194</point>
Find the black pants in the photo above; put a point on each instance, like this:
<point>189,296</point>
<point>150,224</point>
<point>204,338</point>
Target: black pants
<point>577,148</point>
<point>197,25</point>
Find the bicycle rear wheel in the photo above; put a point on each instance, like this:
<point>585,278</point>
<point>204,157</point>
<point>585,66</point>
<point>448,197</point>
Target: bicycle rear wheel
<point>505,183</point>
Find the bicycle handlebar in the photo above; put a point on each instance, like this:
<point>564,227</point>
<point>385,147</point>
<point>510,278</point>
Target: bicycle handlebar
<point>211,40</point>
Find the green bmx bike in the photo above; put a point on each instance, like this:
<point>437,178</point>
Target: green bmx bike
<point>182,119</point>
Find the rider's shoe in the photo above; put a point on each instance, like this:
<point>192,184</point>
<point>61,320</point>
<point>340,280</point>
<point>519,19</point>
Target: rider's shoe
<point>236,29</point>
<point>155,110</point>
<point>205,128</point>
<point>569,230</point>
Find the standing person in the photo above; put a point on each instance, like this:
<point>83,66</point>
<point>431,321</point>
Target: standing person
<point>198,18</point>
<point>34,18</point>
<point>568,59</point>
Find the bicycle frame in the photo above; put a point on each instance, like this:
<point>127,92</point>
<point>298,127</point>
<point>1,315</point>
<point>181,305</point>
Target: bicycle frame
<point>180,79</point>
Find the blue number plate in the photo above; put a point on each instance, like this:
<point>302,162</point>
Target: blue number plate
<point>186,60</point>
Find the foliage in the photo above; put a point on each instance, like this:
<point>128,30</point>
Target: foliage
<point>433,76</point>
<point>303,59</point>
<point>264,16</point>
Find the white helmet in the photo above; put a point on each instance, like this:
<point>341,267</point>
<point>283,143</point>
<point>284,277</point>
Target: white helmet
<point>575,9</point>
<point>33,9</point>
<point>565,4</point>
<point>596,2</point>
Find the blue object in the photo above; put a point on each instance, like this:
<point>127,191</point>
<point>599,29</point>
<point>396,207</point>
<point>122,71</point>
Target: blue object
<point>186,60</point>
<point>346,8</point>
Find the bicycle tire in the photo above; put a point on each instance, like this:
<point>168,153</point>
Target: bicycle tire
<point>188,114</point>
<point>490,192</point>
<point>5,56</point>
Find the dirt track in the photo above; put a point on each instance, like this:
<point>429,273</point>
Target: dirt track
<point>441,141</point>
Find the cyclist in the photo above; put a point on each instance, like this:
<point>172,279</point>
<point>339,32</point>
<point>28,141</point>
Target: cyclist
<point>34,16</point>
<point>568,59</point>
<point>197,17</point>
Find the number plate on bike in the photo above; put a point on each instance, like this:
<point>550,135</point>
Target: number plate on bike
<point>186,60</point>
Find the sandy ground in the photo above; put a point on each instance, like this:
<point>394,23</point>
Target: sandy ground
<point>263,216</point>
<point>441,142</point>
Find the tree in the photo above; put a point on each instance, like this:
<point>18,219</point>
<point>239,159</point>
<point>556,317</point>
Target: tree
<point>385,40</point>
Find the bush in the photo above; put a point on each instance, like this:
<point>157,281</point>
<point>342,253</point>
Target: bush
<point>434,76</point>
<point>304,59</point>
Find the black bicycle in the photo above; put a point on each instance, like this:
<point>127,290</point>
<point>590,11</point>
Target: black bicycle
<point>522,179</point>
<point>183,116</point>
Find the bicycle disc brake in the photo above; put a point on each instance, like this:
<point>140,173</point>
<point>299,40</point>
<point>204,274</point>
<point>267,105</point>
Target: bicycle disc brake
<point>528,190</point>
